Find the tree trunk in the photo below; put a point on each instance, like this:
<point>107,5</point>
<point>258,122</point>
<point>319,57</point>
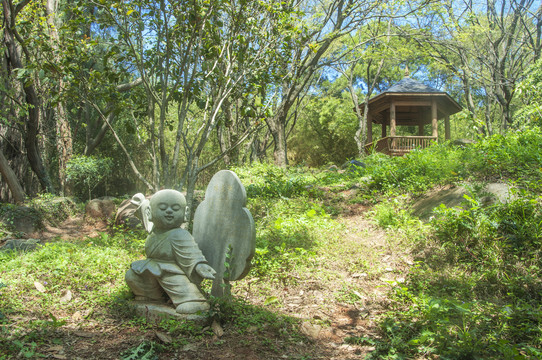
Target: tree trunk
<point>31,98</point>
<point>64,143</point>
<point>191,178</point>
<point>278,132</point>
<point>11,179</point>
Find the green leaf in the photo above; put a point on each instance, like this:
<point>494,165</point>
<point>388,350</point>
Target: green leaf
<point>271,300</point>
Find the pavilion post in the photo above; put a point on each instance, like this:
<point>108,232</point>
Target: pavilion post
<point>447,127</point>
<point>434,123</point>
<point>369,128</point>
<point>393,120</point>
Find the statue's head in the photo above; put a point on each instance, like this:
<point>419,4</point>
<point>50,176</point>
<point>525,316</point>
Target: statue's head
<point>167,209</point>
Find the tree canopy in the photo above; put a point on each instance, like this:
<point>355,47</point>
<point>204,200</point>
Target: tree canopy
<point>172,90</point>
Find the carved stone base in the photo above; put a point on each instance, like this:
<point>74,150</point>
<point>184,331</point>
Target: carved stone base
<point>155,312</point>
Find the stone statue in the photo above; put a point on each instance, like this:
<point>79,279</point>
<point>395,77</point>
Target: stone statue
<point>175,265</point>
<point>224,230</point>
<point>221,249</point>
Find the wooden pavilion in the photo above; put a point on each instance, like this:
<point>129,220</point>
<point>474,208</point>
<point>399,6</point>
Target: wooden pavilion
<point>408,103</point>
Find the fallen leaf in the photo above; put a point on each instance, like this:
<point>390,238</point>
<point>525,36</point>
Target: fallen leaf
<point>190,347</point>
<point>270,300</point>
<point>39,286</point>
<point>311,330</point>
<point>359,275</point>
<point>165,338</point>
<point>58,356</point>
<point>77,316</point>
<point>55,348</point>
<point>217,329</point>
<point>66,296</point>
<point>357,294</point>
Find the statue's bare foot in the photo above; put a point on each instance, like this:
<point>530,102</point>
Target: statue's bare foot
<point>192,307</point>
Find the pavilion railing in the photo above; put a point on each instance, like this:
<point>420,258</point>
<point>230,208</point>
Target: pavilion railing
<point>399,145</point>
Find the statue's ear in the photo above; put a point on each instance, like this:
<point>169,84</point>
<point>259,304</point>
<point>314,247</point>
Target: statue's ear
<point>148,213</point>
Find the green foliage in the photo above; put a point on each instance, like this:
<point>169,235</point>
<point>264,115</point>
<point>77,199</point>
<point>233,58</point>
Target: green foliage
<point>88,171</point>
<point>23,349</point>
<point>475,290</point>
<point>145,351</point>
<point>92,270</point>
<point>246,317</point>
<point>325,133</point>
<point>270,181</point>
<point>515,156</point>
<point>89,269</point>
<point>392,214</point>
<point>530,92</point>
<point>287,237</point>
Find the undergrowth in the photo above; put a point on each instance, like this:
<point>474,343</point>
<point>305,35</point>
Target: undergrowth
<point>475,291</point>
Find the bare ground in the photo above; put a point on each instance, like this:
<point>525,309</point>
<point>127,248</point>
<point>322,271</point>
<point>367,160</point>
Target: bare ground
<point>328,315</point>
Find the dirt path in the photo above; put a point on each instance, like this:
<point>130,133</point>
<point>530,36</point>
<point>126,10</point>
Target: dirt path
<point>73,228</point>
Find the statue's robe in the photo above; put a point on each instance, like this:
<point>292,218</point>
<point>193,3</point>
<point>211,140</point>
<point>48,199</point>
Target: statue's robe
<point>172,257</point>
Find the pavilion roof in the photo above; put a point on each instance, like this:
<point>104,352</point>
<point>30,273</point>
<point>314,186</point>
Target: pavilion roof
<point>408,85</point>
<point>414,93</point>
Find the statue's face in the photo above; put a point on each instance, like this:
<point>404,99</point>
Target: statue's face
<point>167,209</point>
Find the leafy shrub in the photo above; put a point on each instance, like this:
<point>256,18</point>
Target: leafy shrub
<point>516,156</point>
<point>415,172</point>
<point>288,233</point>
<point>88,171</point>
<point>391,213</point>
<point>270,181</point>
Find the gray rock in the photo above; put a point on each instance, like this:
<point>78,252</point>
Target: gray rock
<point>100,209</point>
<point>20,244</point>
<point>126,215</point>
<point>23,219</point>
<point>454,197</point>
<point>311,330</point>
